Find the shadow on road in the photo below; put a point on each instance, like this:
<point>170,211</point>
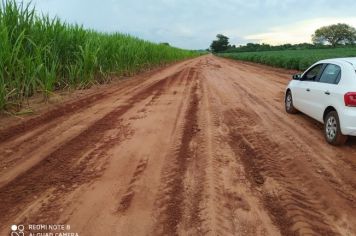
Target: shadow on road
<point>351,141</point>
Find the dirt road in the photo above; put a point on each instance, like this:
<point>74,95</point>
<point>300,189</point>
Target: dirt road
<point>201,147</point>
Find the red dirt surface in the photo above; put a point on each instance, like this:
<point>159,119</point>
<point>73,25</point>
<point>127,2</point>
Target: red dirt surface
<point>202,147</point>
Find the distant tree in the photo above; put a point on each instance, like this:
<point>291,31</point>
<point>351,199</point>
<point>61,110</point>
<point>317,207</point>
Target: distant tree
<point>335,35</point>
<point>164,43</point>
<point>256,47</point>
<point>220,44</point>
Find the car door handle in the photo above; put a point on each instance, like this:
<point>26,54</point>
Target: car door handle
<point>308,90</point>
<point>327,92</point>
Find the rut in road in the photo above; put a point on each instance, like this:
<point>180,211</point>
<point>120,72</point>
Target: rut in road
<point>64,165</point>
<point>201,147</point>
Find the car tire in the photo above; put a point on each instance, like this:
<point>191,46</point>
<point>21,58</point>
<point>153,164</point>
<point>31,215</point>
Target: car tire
<point>332,129</point>
<point>288,102</point>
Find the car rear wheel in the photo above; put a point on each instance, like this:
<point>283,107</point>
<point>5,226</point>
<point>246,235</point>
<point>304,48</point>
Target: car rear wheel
<point>332,129</point>
<point>289,104</point>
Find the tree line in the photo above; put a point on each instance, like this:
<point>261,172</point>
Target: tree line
<point>337,35</point>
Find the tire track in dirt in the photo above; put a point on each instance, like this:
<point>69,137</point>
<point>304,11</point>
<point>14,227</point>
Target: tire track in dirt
<point>83,170</point>
<point>320,182</point>
<point>13,154</point>
<point>61,163</point>
<point>60,166</point>
<point>222,215</point>
<point>51,115</point>
<point>124,191</point>
<point>130,192</point>
<point>58,122</point>
<point>238,211</point>
<point>344,190</point>
<point>196,213</point>
<point>262,160</point>
<point>171,198</point>
<point>261,157</point>
<point>34,127</point>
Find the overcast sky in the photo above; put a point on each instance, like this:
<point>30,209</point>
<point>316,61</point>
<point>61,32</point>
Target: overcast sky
<point>193,24</point>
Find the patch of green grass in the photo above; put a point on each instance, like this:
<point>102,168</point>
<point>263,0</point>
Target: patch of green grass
<point>292,59</point>
<point>39,54</point>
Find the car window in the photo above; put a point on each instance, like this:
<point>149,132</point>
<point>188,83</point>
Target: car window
<point>313,73</point>
<point>331,74</point>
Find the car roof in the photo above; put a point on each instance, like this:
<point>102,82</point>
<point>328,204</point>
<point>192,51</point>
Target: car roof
<point>350,60</point>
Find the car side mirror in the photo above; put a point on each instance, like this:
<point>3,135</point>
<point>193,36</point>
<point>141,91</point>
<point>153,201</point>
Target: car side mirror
<point>297,77</point>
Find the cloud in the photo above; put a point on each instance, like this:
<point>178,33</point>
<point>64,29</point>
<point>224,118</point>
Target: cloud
<point>299,32</point>
<point>193,24</point>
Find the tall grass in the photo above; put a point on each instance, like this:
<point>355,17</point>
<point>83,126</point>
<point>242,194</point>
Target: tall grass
<point>39,54</point>
<point>292,59</point>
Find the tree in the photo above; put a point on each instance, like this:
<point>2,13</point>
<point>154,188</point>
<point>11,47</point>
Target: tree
<point>335,34</point>
<point>220,44</point>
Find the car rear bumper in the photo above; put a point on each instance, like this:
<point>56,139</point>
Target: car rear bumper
<point>348,121</point>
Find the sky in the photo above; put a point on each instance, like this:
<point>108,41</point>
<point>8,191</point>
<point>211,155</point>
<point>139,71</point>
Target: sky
<point>193,24</point>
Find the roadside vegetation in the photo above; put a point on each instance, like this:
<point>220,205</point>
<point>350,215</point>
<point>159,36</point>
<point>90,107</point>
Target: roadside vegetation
<point>40,54</point>
<point>333,41</point>
<point>292,59</point>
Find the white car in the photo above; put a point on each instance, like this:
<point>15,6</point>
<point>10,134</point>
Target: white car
<point>327,92</point>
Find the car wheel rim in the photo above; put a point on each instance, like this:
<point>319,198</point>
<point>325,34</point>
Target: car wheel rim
<point>289,101</point>
<point>331,128</point>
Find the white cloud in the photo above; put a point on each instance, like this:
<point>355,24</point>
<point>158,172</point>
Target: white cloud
<point>299,32</point>
<point>195,23</point>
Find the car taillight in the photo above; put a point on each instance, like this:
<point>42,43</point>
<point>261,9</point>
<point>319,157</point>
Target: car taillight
<point>350,99</point>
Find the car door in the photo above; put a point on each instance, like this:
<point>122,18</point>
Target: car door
<point>324,92</point>
<point>303,90</point>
